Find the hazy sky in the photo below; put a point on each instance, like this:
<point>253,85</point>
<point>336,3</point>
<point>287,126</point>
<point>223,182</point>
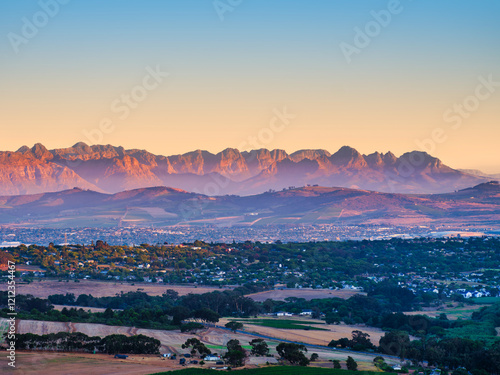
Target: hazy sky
<point>374,75</point>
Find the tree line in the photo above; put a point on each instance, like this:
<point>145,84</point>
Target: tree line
<point>170,310</point>
<point>446,352</point>
<point>80,342</point>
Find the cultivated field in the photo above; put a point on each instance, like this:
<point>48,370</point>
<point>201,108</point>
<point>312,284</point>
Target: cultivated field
<point>327,333</point>
<point>78,363</point>
<point>453,313</point>
<point>44,288</point>
<point>36,363</point>
<point>308,294</point>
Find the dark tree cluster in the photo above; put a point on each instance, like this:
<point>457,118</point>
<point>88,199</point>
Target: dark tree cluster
<point>360,342</point>
<point>293,353</point>
<point>196,346</point>
<point>226,303</point>
<point>235,355</point>
<point>234,326</point>
<point>450,352</point>
<point>259,347</point>
<point>79,342</point>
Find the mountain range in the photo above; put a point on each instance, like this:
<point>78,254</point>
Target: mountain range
<point>111,169</point>
<point>162,206</point>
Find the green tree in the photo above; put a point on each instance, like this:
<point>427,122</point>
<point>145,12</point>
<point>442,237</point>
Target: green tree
<point>207,315</point>
<point>344,342</point>
<point>197,346</point>
<point>351,364</point>
<point>360,341</point>
<point>378,361</point>
<point>259,347</point>
<point>179,313</point>
<point>191,327</point>
<point>332,318</point>
<point>395,343</point>
<point>108,314</point>
<point>235,355</point>
<point>293,353</point>
<point>233,326</point>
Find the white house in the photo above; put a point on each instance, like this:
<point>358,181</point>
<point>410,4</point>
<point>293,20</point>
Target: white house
<point>211,358</point>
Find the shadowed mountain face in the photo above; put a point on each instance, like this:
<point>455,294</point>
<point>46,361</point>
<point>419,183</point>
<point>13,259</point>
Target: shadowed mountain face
<point>161,206</point>
<point>111,169</point>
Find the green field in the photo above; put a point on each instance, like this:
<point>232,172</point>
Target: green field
<point>458,313</point>
<point>274,370</point>
<point>486,300</point>
<point>282,323</point>
<point>474,331</point>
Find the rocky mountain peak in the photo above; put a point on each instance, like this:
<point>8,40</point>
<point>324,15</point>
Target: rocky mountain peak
<point>41,152</point>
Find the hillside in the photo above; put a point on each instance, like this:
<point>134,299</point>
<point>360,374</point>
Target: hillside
<point>307,205</point>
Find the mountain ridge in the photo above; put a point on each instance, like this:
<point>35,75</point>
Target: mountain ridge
<point>111,169</point>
